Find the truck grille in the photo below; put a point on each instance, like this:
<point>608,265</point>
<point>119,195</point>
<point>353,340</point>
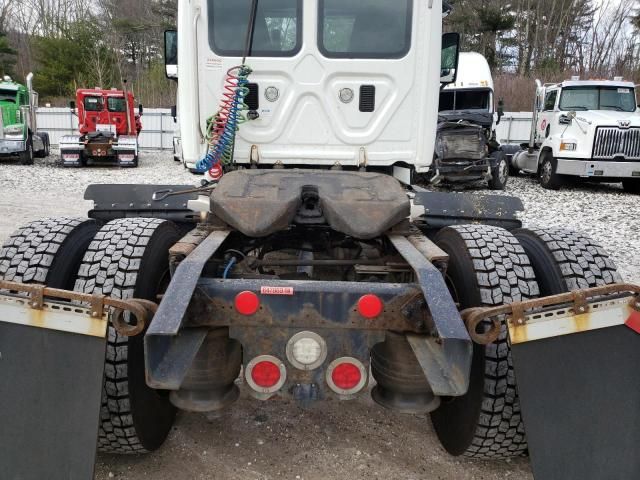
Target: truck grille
<point>614,142</point>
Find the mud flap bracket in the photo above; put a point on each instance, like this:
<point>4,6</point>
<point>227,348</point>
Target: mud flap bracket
<point>576,358</point>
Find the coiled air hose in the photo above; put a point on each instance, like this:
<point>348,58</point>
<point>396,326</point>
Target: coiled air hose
<point>223,126</point>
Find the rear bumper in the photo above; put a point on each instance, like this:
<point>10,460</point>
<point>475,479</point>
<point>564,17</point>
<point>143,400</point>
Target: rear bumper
<point>10,147</point>
<point>598,168</point>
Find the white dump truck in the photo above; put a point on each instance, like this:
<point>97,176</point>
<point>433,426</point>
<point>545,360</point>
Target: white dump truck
<point>585,129</point>
<point>466,148</point>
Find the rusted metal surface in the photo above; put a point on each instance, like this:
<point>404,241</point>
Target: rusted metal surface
<point>430,250</point>
<point>579,302</point>
<point>444,380</point>
<point>139,308</point>
<point>187,245</point>
<point>453,347</point>
<point>311,305</point>
<point>261,202</point>
<point>168,351</point>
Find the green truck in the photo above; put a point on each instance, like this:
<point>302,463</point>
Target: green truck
<point>19,135</point>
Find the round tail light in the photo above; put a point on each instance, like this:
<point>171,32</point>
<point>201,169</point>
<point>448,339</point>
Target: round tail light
<point>346,376</point>
<point>265,374</point>
<point>370,306</point>
<point>247,303</point>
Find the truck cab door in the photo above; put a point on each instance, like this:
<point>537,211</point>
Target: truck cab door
<point>546,116</point>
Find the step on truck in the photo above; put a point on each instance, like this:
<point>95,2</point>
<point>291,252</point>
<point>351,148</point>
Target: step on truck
<point>584,130</point>
<point>308,272</point>
<point>108,129</point>
<point>19,136</point>
<point>466,147</point>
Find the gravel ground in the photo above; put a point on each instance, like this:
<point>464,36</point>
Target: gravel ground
<point>276,439</point>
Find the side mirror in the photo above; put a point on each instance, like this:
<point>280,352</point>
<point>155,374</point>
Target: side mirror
<point>450,58</point>
<point>500,111</point>
<point>140,109</point>
<point>72,105</point>
<point>171,54</point>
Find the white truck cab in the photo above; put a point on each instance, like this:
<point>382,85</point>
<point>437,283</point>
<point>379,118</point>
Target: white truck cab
<point>334,83</point>
<point>466,149</point>
<point>584,128</point>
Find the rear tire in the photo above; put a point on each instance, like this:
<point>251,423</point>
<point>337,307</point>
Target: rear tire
<point>129,258</point>
<point>26,157</point>
<point>564,261</point>
<point>47,251</point>
<point>631,185</point>
<point>487,267</point>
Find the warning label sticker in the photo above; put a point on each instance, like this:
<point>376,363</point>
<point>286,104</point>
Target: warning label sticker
<point>276,290</point>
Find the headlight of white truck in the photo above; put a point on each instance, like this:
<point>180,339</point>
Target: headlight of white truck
<point>568,146</point>
<point>14,131</point>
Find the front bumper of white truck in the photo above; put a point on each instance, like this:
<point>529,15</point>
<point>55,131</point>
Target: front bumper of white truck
<point>598,168</point>
<point>10,147</point>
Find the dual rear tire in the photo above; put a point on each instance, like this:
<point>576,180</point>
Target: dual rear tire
<point>125,258</point>
<point>490,266</point>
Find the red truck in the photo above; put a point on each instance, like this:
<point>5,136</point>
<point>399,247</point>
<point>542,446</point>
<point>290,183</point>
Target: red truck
<point>108,129</point>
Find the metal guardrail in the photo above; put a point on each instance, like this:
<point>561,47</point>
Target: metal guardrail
<point>158,127</point>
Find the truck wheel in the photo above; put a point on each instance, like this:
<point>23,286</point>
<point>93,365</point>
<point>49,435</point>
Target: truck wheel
<point>499,173</point>
<point>564,261</point>
<point>44,153</point>
<point>631,185</point>
<point>129,258</point>
<point>487,267</point>
<point>47,251</point>
<point>26,157</point>
<point>547,175</point>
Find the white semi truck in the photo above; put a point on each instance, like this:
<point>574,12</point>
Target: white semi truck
<point>342,96</point>
<point>305,270</point>
<point>584,129</point>
<point>466,148</point>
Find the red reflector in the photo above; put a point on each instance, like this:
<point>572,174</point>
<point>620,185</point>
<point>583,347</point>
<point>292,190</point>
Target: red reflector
<point>370,306</point>
<point>633,322</point>
<point>346,376</point>
<point>247,303</point>
<point>265,374</point>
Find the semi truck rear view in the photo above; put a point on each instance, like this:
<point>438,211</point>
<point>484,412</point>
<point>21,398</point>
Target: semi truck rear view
<point>108,129</point>
<point>309,269</point>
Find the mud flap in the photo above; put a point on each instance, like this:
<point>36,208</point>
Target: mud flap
<point>51,369</point>
<point>579,385</point>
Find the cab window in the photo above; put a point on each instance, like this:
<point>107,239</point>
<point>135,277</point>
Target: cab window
<point>93,104</point>
<point>278,27</point>
<point>365,28</point>
<point>550,101</point>
<point>116,104</point>
<point>8,96</point>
